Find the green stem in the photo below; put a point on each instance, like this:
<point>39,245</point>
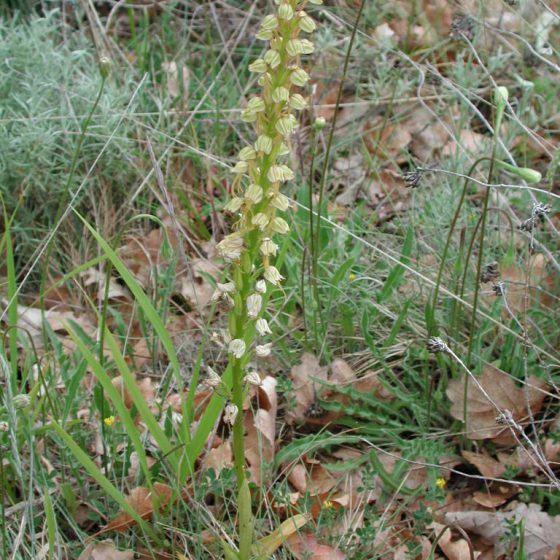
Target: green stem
<point>315,259</point>
<point>433,326</point>
<point>480,258</point>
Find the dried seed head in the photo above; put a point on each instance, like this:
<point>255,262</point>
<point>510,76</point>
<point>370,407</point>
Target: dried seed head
<point>540,210</point>
<point>462,28</point>
<point>315,410</point>
<point>412,178</point>
<point>499,289</point>
<point>436,345</point>
<point>490,272</point>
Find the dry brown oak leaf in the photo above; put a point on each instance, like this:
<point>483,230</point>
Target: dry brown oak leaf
<point>505,394</point>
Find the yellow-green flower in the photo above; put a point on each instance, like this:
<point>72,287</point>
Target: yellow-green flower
<point>109,421</point>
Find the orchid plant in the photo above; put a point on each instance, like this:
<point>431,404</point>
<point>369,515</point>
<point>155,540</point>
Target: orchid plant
<point>257,204</point>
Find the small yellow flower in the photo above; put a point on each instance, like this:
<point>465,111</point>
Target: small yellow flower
<point>328,504</point>
<point>440,483</point>
<point>109,421</point>
<point>351,277</point>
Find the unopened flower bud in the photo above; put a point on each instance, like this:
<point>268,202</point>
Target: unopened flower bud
<point>501,96</point>
<point>237,347</point>
<point>248,116</point>
<point>260,220</point>
<point>285,11</point>
<point>286,125</point>
<point>527,174</point>
<point>104,66</point>
<point>264,35</point>
<point>264,144</point>
<point>320,123</point>
<point>280,94</point>
<point>299,46</point>
<point>283,150</point>
<point>279,225</point>
<point>298,102</point>
<point>279,173</point>
<point>240,167</point>
<point>254,193</point>
<point>265,79</point>
<point>299,77</point>
<point>256,104</point>
<point>259,66</point>
<point>269,23</point>
<point>307,23</point>
<point>234,204</point>
<point>272,58</point>
<point>248,153</point>
<point>280,202</point>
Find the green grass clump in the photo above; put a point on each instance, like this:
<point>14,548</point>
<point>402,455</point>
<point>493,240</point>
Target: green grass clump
<point>48,83</point>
